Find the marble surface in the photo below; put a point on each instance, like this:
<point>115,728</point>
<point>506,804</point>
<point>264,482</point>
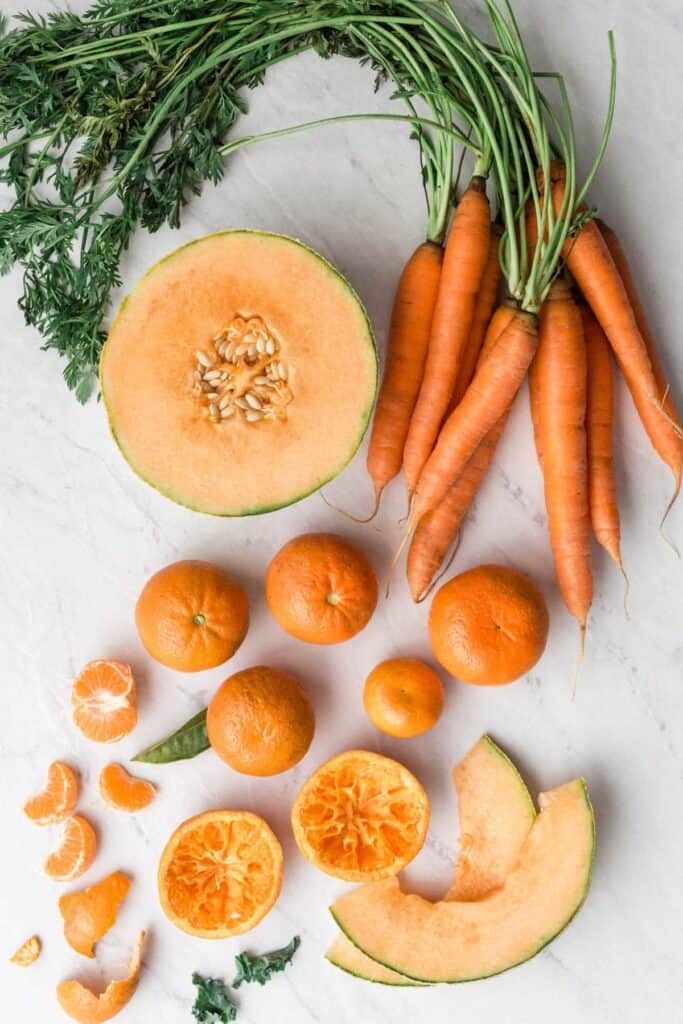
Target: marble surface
<point>80,534</point>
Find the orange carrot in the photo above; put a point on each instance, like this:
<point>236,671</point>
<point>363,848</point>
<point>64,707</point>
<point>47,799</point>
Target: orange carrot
<point>602,499</point>
<point>490,395</point>
<point>483,311</point>
<point>437,530</point>
<point>465,258</point>
<point>668,443</point>
<point>411,321</point>
<point>557,390</point>
<point>592,266</point>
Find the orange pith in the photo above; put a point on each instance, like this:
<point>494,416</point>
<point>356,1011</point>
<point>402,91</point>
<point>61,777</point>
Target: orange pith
<point>192,616</point>
<point>123,791</point>
<point>90,913</point>
<point>321,589</point>
<point>360,816</point>
<point>75,851</point>
<point>260,721</point>
<point>488,626</point>
<point>27,953</point>
<point>56,802</point>
<point>83,1006</point>
<point>220,873</point>
<point>403,697</point>
<point>103,700</point>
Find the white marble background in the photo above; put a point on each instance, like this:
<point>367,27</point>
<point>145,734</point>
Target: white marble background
<point>80,534</point>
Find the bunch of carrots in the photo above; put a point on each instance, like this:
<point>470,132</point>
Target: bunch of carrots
<point>457,353</point>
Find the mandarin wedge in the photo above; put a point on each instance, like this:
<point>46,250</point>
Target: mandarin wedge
<point>75,851</point>
<point>89,913</point>
<point>360,816</point>
<point>103,699</point>
<point>27,953</point>
<point>123,791</point>
<point>83,1006</point>
<point>220,873</point>
<point>56,802</point>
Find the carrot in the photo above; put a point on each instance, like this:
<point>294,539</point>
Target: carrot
<point>491,393</point>
<point>557,391</point>
<point>591,265</point>
<point>483,311</point>
<point>599,418</point>
<point>437,530</point>
<point>465,258</point>
<point>667,442</point>
<point>411,321</point>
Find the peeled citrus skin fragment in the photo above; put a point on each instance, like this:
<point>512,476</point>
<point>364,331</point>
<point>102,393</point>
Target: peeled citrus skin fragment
<point>90,913</point>
<point>56,802</point>
<point>123,791</point>
<point>27,953</point>
<point>361,817</point>
<point>75,851</point>
<point>83,1006</point>
<point>103,699</point>
<point>220,873</point>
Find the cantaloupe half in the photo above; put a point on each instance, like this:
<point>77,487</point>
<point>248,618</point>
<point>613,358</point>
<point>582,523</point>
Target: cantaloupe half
<point>453,941</point>
<point>496,812</point>
<point>239,375</point>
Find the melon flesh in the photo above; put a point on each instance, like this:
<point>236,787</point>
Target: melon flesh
<point>454,941</point>
<point>188,303</point>
<point>496,812</point>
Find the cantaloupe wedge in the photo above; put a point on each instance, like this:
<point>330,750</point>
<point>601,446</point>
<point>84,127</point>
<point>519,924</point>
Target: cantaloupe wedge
<point>240,373</point>
<point>496,812</point>
<point>453,941</point>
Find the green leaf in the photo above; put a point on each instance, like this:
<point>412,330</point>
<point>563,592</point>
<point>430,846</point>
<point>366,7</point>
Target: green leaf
<point>261,968</point>
<point>186,742</point>
<point>213,1004</point>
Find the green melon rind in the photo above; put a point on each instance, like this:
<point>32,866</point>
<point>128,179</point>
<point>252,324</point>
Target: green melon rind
<point>367,412</point>
<point>401,979</point>
<point>545,941</point>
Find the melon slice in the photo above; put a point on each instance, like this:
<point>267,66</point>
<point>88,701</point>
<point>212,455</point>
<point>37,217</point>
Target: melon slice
<point>239,375</point>
<point>496,812</point>
<point>453,941</point>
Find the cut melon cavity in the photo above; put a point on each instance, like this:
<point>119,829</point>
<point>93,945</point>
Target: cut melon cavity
<point>454,941</point>
<point>496,813</point>
<point>240,373</point>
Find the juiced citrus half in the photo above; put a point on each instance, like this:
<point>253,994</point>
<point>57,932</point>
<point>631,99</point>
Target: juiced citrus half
<point>123,791</point>
<point>56,802</point>
<point>82,1005</point>
<point>104,701</point>
<point>360,816</point>
<point>75,851</point>
<point>220,873</point>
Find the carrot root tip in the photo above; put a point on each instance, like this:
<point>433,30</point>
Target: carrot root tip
<point>349,515</point>
<point>399,551</point>
<point>662,532</point>
<point>579,660</point>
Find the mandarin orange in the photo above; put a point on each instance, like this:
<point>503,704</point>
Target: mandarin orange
<point>403,697</point>
<point>488,626</point>
<point>321,589</point>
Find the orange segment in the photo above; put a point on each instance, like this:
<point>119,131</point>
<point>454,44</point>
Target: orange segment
<point>360,816</point>
<point>220,874</point>
<point>75,851</point>
<point>104,702</point>
<point>123,791</point>
<point>82,1005</point>
<point>57,800</point>
<point>27,953</point>
<point>90,913</point>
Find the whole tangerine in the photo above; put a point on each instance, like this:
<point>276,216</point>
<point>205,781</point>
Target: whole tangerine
<point>192,615</point>
<point>488,626</point>
<point>260,721</point>
<point>321,589</point>
<point>403,697</point>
